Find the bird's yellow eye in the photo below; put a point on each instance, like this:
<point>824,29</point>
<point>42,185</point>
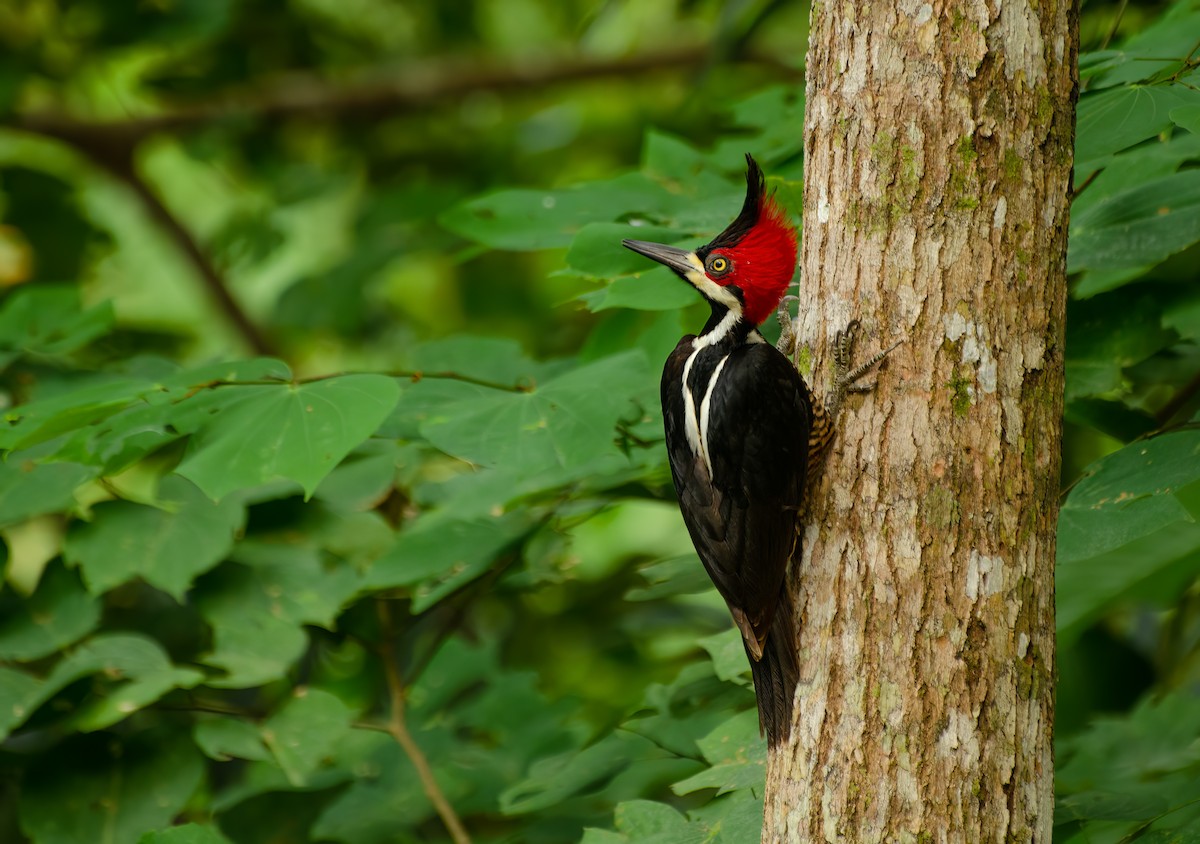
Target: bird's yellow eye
<point>718,265</point>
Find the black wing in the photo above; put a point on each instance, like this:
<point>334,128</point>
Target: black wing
<point>741,514</point>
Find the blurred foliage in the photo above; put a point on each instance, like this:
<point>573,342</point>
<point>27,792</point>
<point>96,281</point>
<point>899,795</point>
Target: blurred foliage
<point>248,596</point>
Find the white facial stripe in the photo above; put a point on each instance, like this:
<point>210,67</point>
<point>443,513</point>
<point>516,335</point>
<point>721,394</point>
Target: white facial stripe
<point>704,408</point>
<point>698,279</point>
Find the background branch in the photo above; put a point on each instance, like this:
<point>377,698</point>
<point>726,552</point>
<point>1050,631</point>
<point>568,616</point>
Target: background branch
<point>399,729</point>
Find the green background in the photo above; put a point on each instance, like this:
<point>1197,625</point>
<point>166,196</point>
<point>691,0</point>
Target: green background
<point>430,481</point>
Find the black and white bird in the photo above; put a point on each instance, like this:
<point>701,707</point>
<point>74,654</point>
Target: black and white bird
<point>741,426</point>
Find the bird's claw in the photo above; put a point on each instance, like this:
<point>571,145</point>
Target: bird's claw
<point>787,332</point>
<point>846,378</point>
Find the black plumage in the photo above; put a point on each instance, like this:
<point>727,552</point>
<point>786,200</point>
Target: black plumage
<point>741,510</point>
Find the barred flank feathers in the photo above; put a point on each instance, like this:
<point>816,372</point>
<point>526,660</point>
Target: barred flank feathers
<point>776,675</point>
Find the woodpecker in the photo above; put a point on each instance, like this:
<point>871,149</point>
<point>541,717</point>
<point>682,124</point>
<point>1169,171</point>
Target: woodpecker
<point>743,434</point>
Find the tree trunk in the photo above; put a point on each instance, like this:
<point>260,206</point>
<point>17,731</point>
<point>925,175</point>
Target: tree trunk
<point>937,177</point>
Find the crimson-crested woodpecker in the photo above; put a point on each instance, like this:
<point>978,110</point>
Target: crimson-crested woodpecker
<point>741,427</point>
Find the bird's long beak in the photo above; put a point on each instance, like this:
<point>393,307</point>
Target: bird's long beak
<point>680,260</point>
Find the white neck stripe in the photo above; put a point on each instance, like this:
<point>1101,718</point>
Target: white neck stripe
<point>704,408</point>
<point>720,331</point>
<point>691,427</point>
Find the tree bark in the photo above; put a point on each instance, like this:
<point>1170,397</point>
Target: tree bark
<point>939,142</point>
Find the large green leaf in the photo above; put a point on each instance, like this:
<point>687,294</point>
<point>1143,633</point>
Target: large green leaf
<point>1124,530</point>
<point>568,421</point>
<point>596,250</point>
<point>112,792</point>
<point>1138,766</point>
<point>257,605</point>
<point>302,733</point>
<point>138,667</point>
<point>737,754</point>
<point>1116,118</point>
<point>167,545</point>
<point>1139,226</point>
<point>111,421</point>
<point>1098,350</point>
<point>49,320</point>
<point>58,614</point>
<point>29,488</point>
<point>297,432</point>
<point>1160,47</point>
<point>187,834</point>
<point>441,553</point>
<point>533,219</point>
<point>1128,494</point>
<point>499,361</point>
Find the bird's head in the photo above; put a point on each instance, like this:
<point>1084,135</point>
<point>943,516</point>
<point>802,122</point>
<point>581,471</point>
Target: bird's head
<point>745,268</point>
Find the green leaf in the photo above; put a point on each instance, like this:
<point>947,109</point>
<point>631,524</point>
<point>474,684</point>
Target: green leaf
<point>167,545</point>
<point>441,553</point>
<point>81,405</point>
<point>1134,167</point>
<point>305,731</point>
<point>1124,526</point>
<point>733,819</point>
<point>1138,765</point>
<point>138,666</point>
<point>544,219</point>
<point>58,614</point>
<point>364,479</point>
<point>568,421</point>
<point>111,793</point>
<point>728,655</point>
<point>1116,118</point>
<point>49,320</point>
<point>738,756</point>
<point>115,420</point>
<point>646,820</point>
<point>1128,494</point>
<point>28,488</point>
<point>224,738</point>
<point>657,289</point>
<point>685,168</point>
<point>297,432</point>
<point>775,118</point>
<point>1159,47</point>
<point>1099,348</point>
<point>1155,568</point>
<point>1139,226</point>
<point>597,251</point>
<point>1187,116</point>
<point>667,578</point>
<point>257,605</point>
<point>553,779</point>
<point>497,360</point>
<point>18,692</point>
<point>187,834</point>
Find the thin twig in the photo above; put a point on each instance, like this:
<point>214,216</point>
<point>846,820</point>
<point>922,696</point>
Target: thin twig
<point>399,729</point>
<point>1086,183</point>
<point>1181,398</point>
<point>1112,32</point>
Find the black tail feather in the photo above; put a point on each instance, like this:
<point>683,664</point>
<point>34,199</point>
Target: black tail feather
<point>776,675</point>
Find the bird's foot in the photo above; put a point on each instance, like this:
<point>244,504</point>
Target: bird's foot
<point>847,377</point>
<point>787,332</point>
